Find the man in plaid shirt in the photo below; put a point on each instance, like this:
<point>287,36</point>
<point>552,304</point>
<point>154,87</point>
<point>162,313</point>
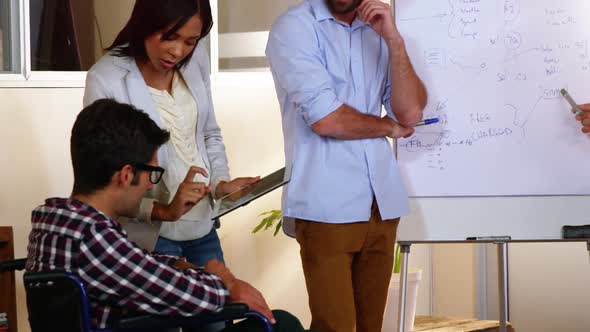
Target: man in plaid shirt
<point>114,155</point>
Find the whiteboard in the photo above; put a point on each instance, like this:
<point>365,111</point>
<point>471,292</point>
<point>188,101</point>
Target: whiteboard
<point>522,218</point>
<point>493,70</point>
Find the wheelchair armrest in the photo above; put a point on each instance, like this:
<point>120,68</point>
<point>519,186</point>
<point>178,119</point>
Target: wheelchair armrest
<point>14,265</point>
<point>152,322</point>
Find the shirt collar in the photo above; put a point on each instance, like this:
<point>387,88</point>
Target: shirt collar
<point>322,13</point>
<point>320,10</point>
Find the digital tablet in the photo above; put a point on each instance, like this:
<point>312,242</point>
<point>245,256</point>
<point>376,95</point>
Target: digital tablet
<point>251,192</point>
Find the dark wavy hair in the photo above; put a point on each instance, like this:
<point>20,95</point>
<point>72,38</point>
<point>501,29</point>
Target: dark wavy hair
<point>106,136</point>
<point>151,16</point>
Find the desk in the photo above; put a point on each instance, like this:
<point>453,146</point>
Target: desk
<point>7,284</point>
<point>448,324</point>
<point>502,272</point>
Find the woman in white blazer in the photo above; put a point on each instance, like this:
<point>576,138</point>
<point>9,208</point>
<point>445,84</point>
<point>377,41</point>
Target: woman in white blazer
<point>158,65</point>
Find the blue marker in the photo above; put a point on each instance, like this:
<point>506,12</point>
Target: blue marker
<point>427,122</point>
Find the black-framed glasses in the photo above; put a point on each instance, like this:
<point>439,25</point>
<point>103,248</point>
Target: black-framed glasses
<point>156,172</point>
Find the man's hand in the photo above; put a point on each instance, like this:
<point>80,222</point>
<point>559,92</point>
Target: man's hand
<point>243,292</point>
<point>226,188</point>
<point>181,264</point>
<point>189,193</point>
<point>379,16</point>
<point>218,268</point>
<point>239,290</point>
<point>397,130</point>
<point>585,119</point>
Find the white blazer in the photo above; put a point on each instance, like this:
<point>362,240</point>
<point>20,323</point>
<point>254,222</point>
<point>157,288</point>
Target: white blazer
<point>119,78</point>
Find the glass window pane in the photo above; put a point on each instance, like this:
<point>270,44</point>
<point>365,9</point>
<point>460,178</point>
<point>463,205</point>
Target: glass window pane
<point>9,37</point>
<point>70,35</point>
<point>243,32</point>
<point>110,17</point>
<point>61,33</point>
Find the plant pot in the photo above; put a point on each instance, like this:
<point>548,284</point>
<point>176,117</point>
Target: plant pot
<point>390,318</point>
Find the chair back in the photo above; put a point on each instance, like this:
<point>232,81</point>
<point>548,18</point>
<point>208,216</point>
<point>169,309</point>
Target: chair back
<point>56,300</point>
<point>13,265</point>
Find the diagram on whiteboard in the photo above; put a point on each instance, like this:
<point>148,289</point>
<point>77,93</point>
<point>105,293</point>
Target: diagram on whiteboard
<point>494,70</point>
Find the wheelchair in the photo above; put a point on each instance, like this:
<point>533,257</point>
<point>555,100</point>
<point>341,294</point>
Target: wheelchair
<point>57,301</point>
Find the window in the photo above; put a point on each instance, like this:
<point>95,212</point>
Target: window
<point>10,61</point>
<point>70,35</point>
<point>243,28</point>
<point>53,42</point>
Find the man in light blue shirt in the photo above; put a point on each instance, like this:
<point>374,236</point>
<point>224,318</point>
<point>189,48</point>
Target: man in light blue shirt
<point>336,63</point>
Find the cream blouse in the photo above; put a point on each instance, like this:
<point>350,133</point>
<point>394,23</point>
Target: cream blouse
<point>179,115</point>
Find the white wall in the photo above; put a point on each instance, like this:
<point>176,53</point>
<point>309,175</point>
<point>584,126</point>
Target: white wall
<point>454,282</point>
<point>549,287</point>
<point>237,15</point>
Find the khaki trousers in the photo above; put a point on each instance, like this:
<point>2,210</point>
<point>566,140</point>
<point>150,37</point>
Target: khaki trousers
<point>347,271</point>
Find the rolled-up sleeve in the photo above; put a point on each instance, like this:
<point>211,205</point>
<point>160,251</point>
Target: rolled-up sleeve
<point>386,98</point>
<point>299,70</point>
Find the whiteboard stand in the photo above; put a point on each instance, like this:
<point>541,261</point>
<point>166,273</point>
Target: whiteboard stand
<point>502,274</point>
<point>405,250</point>
<point>503,284</point>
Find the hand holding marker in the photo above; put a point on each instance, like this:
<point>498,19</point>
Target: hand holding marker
<point>575,108</point>
<point>427,122</point>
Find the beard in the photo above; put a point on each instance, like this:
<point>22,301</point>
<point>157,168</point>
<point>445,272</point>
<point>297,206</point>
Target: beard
<point>342,7</point>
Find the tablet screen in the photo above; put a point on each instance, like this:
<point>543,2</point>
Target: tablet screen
<point>251,192</point>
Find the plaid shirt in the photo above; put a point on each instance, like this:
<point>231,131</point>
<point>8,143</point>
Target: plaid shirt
<point>74,237</point>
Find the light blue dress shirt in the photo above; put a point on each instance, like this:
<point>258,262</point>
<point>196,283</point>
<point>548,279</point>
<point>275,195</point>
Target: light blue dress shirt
<point>319,64</point>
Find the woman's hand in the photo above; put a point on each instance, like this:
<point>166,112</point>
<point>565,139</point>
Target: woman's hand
<point>226,188</point>
<point>189,193</point>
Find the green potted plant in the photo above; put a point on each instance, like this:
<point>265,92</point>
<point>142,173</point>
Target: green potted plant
<point>270,217</point>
